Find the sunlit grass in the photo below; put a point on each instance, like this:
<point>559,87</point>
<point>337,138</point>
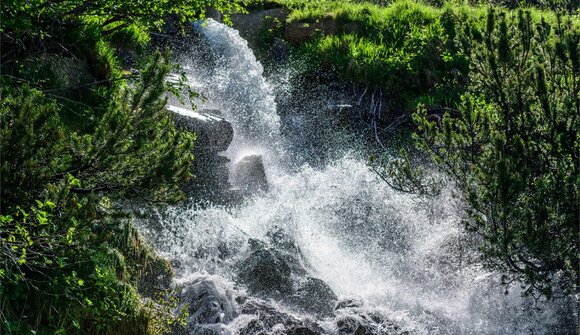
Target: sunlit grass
<point>405,46</point>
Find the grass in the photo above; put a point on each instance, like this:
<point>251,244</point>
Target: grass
<point>408,48</point>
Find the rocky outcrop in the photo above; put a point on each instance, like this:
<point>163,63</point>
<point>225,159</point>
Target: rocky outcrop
<point>215,308</point>
<point>276,295</point>
<point>276,270</point>
<point>314,296</point>
<point>214,134</point>
<point>265,273</point>
<point>271,320</point>
<point>210,304</point>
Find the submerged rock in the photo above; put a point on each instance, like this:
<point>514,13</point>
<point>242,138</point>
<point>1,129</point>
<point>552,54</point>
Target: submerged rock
<point>250,175</point>
<point>313,295</point>
<point>269,319</point>
<point>208,301</point>
<point>263,272</point>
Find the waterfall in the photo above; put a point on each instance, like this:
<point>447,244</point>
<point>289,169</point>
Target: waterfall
<point>406,258</point>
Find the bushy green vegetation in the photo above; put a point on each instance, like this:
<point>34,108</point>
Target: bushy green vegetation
<point>82,135</point>
<point>407,48</point>
<point>511,147</point>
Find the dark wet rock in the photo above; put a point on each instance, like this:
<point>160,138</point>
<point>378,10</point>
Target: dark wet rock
<point>366,323</point>
<point>250,175</point>
<point>208,301</point>
<point>264,272</point>
<point>314,296</point>
<point>214,329</point>
<point>348,303</point>
<point>286,249</point>
<point>268,318</point>
<point>277,270</point>
<point>214,133</point>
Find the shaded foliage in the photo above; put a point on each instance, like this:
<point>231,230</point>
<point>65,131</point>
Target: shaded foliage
<point>69,253</point>
<point>82,134</point>
<point>512,146</point>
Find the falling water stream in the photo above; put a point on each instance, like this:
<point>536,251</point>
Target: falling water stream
<point>404,257</point>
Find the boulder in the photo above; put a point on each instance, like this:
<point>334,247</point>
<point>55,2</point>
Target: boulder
<point>264,272</point>
<point>249,174</point>
<point>314,296</point>
<point>209,301</point>
<point>214,133</point>
<point>271,320</point>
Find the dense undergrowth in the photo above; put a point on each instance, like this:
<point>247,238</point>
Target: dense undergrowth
<point>410,49</point>
<point>85,136</point>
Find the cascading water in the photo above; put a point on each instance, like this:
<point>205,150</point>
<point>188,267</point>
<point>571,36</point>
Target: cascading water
<point>406,258</point>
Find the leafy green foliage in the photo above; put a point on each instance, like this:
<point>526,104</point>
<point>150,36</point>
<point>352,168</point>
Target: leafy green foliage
<point>133,148</point>
<point>80,135</point>
<point>512,149</point>
<point>40,18</point>
<point>70,254</point>
<point>407,48</point>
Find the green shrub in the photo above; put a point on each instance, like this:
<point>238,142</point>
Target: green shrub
<point>512,147</point>
<point>63,246</point>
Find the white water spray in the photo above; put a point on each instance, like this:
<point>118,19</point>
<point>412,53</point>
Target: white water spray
<point>406,258</point>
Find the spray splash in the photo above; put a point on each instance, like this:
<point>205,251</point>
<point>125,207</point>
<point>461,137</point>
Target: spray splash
<point>405,258</point>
